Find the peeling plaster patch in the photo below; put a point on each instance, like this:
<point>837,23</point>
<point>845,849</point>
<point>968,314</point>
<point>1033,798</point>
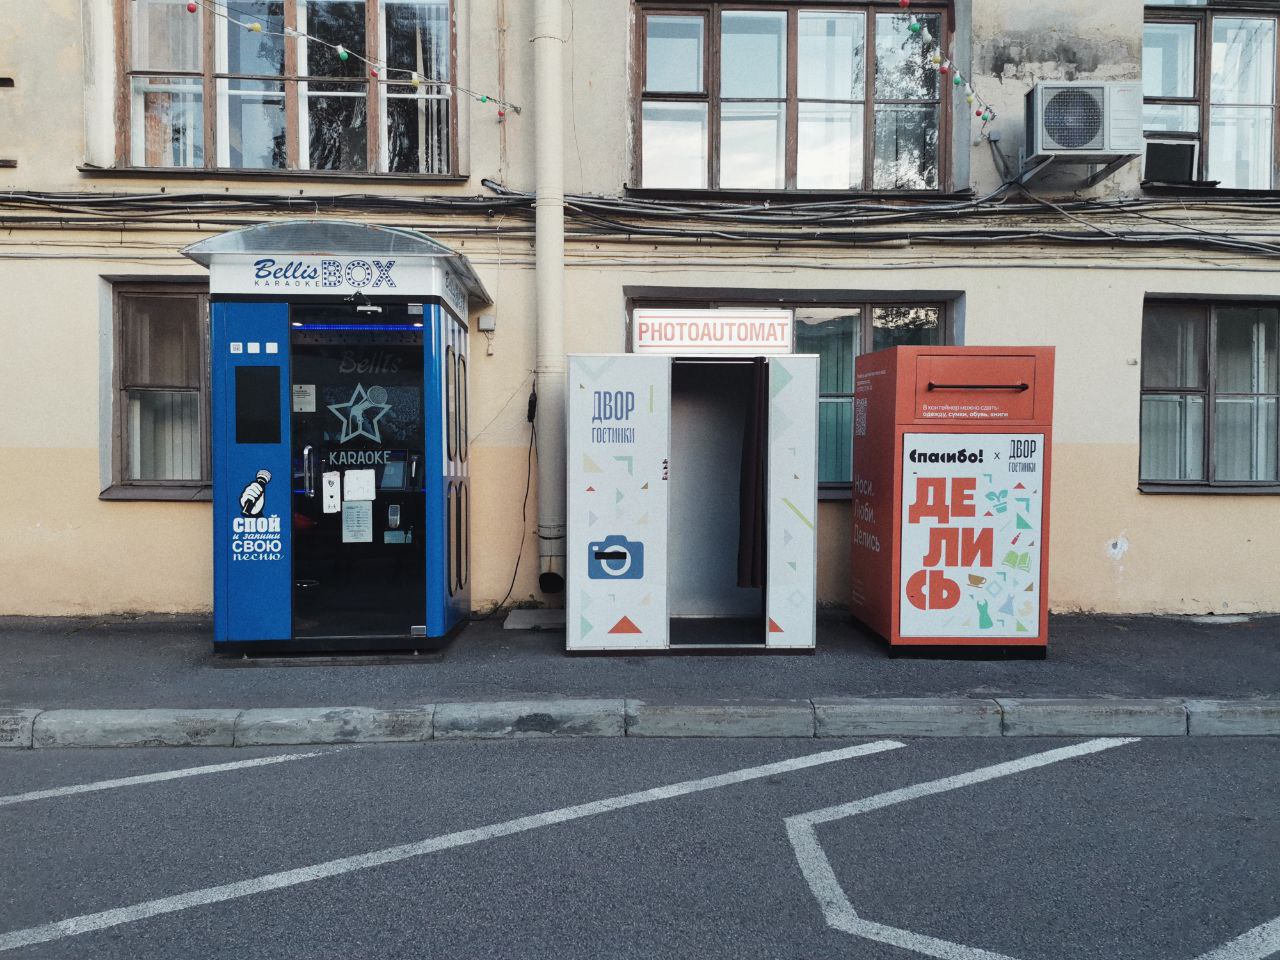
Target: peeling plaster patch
<point>1054,56</point>
<point>1117,548</point>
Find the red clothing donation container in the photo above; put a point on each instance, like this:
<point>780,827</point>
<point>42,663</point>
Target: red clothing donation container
<point>951,495</point>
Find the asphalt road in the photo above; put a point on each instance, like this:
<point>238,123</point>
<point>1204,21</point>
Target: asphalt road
<point>1052,850</point>
<point>117,662</point>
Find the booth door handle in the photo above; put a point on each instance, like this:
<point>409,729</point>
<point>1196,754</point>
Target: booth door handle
<point>309,471</point>
<point>1019,387</point>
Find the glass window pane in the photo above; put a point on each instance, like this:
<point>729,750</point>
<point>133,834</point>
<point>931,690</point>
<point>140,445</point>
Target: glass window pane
<point>673,54</point>
<point>417,38</point>
<point>253,134</point>
<point>835,441</point>
<point>829,59</point>
<point>1246,349</point>
<point>1244,438</point>
<point>906,147</point>
<point>1173,351</point>
<point>1170,118</point>
<point>905,325</point>
<point>752,146</point>
<point>903,72</point>
<point>337,126</point>
<point>418,134</point>
<point>830,146</point>
<point>753,54</point>
<point>1244,60</point>
<point>161,340</point>
<point>1169,60</point>
<point>334,22</point>
<point>675,145</point>
<point>1240,147</point>
<point>252,52</point>
<point>165,36</point>
<point>163,435</point>
<point>1172,440</point>
<point>834,335</point>
<point>168,122</point>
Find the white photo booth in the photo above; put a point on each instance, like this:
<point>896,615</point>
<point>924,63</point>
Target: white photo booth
<point>692,496</point>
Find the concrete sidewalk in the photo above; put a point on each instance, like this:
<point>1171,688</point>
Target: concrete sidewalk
<point>168,662</point>
<point>155,681</point>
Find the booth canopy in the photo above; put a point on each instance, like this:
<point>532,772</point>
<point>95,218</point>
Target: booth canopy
<point>342,239</point>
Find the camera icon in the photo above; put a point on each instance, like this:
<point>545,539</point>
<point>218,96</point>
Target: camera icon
<point>615,558</point>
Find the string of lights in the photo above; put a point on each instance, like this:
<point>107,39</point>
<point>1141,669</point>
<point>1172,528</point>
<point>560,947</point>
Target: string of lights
<point>379,70</point>
<point>933,50</point>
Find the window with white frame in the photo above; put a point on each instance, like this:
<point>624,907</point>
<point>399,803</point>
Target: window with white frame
<point>285,85</point>
<point>1209,83</point>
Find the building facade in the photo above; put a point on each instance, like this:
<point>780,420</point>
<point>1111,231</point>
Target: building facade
<point>859,163</point>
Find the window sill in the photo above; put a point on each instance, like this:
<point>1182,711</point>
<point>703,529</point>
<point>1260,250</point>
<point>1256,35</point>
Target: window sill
<point>836,493</point>
<point>1216,490</point>
<point>158,492</point>
<point>231,173</point>
<point>791,196</point>
<point>1186,190</point>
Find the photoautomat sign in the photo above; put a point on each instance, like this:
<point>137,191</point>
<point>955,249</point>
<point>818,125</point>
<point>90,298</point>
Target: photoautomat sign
<point>972,516</point>
<point>692,332</point>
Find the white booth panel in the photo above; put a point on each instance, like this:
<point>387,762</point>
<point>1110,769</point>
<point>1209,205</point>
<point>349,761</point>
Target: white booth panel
<point>793,501</point>
<point>618,449</point>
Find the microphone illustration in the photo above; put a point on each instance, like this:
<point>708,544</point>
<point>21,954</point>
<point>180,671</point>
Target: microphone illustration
<point>254,497</point>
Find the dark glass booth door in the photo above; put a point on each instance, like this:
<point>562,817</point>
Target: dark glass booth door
<point>359,459</point>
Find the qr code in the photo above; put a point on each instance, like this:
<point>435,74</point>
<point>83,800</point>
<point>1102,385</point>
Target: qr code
<point>860,416</point>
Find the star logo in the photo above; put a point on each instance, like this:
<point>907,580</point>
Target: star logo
<point>360,415</point>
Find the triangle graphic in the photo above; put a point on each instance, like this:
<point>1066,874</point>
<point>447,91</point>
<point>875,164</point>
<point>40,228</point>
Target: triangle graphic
<point>787,537</point>
<point>618,496</point>
<point>645,487</point>
<point>988,514</point>
<point>1021,628</point>
<point>643,521</point>
<point>791,564</point>
<point>586,627</point>
<point>589,465</point>
<point>591,489</point>
<point>773,626</point>
<point>1022,523</point>
<point>1030,588</point>
<point>779,377</point>
<point>591,519</point>
<point>1018,486</point>
<point>625,626</point>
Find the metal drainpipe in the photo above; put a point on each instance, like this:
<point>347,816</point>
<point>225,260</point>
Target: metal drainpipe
<point>549,371</point>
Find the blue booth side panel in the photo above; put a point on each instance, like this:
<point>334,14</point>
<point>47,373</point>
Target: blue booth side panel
<point>435,486</point>
<point>252,519</point>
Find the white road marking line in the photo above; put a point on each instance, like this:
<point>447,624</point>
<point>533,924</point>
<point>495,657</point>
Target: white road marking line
<point>1257,944</point>
<point>332,868</point>
<point>152,778</point>
<point>839,912</point>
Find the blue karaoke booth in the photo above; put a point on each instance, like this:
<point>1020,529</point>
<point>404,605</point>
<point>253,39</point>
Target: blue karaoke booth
<point>341,493</point>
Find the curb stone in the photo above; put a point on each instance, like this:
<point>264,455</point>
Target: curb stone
<point>1093,718</point>
<point>530,718</point>
<point>299,725</point>
<point>826,717</point>
<point>720,718</point>
<point>135,728</point>
<point>1219,718</point>
<point>17,728</point>
<point>902,717</point>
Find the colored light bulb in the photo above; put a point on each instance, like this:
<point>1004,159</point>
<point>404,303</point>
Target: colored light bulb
<point>342,53</point>
<point>191,8</point>
<point>914,26</point>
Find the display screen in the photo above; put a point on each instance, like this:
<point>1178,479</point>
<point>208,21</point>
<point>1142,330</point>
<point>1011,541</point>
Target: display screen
<point>257,404</point>
<point>393,475</point>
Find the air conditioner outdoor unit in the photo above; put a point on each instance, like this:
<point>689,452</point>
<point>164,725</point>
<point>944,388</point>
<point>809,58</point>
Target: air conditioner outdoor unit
<point>1083,121</point>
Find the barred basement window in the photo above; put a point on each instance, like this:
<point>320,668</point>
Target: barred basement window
<point>202,91</point>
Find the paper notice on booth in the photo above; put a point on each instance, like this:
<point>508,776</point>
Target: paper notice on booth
<point>358,485</point>
<point>357,521</point>
<point>331,491</point>
<point>304,398</point>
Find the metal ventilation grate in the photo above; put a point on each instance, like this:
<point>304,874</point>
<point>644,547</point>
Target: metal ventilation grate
<point>1073,119</point>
